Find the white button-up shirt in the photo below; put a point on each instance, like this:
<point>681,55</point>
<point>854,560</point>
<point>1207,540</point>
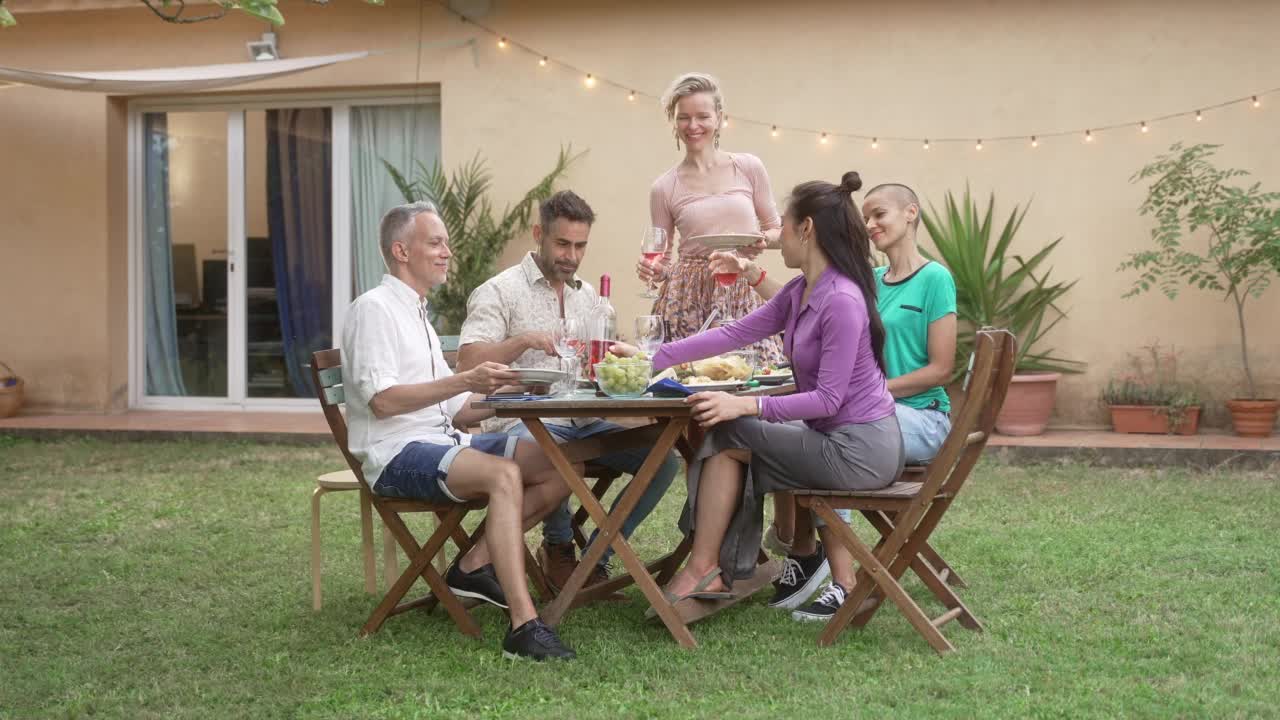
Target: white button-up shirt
<point>520,300</point>
<point>387,341</point>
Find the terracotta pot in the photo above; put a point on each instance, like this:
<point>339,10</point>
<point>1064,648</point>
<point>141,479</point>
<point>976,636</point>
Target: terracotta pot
<point>10,398</point>
<point>1253,418</point>
<point>1152,419</point>
<point>1028,404</point>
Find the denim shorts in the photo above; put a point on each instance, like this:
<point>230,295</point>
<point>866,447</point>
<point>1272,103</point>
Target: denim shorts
<point>420,470</point>
<point>923,432</point>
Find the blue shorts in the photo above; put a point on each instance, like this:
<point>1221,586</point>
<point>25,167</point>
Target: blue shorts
<point>420,470</point>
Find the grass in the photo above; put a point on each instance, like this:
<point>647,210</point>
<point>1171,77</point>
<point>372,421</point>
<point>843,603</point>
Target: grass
<point>171,580</point>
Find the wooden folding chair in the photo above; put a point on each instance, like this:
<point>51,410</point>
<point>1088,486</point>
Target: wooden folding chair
<point>326,372</point>
<point>907,512</point>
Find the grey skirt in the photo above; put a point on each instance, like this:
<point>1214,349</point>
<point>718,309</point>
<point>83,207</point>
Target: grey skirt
<point>792,456</point>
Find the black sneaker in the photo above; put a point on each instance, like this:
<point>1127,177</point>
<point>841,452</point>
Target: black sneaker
<point>481,584</point>
<point>824,607</point>
<point>800,577</point>
<point>536,641</point>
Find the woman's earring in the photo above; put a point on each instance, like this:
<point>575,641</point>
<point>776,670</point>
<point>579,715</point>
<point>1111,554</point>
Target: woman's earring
<point>717,140</point>
<point>676,134</point>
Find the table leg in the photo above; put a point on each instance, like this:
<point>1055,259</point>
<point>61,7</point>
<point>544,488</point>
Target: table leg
<point>609,525</point>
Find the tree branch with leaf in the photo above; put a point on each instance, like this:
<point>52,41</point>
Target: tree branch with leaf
<point>174,11</point>
<point>1241,234</point>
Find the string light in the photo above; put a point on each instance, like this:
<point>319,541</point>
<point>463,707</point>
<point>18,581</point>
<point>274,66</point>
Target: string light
<point>724,123</point>
<point>590,81</point>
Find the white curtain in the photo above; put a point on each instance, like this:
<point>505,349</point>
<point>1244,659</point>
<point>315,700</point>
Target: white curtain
<point>403,135</point>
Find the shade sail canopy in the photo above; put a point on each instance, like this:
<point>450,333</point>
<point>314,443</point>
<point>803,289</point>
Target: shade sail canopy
<point>179,79</point>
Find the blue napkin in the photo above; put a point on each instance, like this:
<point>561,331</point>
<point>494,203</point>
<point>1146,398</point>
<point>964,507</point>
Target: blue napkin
<point>667,387</point>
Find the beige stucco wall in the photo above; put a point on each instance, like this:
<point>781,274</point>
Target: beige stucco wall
<point>910,69</point>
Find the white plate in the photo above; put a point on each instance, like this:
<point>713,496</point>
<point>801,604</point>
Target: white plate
<point>727,241</point>
<point>537,376</point>
<point>712,387</point>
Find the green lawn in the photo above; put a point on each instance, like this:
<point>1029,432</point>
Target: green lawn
<point>171,580</point>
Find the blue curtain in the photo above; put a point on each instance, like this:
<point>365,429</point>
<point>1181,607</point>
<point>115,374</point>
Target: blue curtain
<point>299,219</point>
<point>164,373</point>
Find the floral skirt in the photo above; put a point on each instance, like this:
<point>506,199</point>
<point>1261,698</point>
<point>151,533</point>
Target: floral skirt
<point>691,293</point>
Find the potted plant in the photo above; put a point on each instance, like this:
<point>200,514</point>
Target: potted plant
<point>1213,235</point>
<point>476,236</point>
<point>10,391</point>
<point>1148,398</point>
<point>994,289</point>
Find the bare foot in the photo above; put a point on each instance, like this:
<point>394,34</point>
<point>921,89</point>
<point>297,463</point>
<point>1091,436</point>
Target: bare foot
<point>685,581</point>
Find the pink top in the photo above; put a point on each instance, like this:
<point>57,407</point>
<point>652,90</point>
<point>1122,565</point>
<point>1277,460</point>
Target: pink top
<point>746,206</point>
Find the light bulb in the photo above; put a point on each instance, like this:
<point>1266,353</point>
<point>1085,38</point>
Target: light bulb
<point>823,139</point>
<point>1199,117</point>
<point>774,131</point>
<point>589,80</point>
<point>1256,101</point>
<point>926,144</point>
<point>1034,141</point>
<point>1144,127</point>
<point>502,43</point>
<point>542,62</point>
<point>1088,136</point>
<point>631,96</point>
<point>875,143</point>
<point>978,147</point>
<point>724,123</point>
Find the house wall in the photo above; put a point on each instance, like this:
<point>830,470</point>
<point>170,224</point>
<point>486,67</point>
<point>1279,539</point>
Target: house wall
<point>910,69</point>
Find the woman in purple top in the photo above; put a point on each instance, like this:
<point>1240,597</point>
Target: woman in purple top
<point>837,432</point>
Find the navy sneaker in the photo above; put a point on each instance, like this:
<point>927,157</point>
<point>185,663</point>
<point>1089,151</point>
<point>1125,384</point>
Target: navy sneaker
<point>800,577</point>
<point>821,610</point>
<point>480,584</point>
<point>536,641</point>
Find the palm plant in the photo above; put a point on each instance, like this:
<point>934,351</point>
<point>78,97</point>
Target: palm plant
<point>994,290</point>
<point>477,236</point>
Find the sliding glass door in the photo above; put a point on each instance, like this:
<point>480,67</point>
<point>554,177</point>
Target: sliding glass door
<point>254,227</point>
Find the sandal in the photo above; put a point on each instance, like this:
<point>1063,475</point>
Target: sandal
<point>699,592</point>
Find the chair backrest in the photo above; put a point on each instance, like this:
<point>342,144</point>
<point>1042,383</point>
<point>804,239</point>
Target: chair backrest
<point>449,346</point>
<point>992,369</point>
<point>326,373</point>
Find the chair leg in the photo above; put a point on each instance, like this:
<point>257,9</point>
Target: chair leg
<point>366,545</point>
<point>315,548</point>
<point>390,562</point>
<point>876,576</point>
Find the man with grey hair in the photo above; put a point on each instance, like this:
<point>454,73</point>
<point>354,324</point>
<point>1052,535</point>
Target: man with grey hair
<point>405,414</point>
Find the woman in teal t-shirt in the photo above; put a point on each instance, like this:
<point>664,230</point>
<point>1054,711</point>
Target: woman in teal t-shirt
<point>917,302</point>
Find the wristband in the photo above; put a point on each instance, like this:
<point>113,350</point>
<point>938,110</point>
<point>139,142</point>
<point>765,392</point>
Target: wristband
<point>759,280</point>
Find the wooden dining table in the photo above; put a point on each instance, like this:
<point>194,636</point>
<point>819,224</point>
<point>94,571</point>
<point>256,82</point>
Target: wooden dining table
<point>671,426</point>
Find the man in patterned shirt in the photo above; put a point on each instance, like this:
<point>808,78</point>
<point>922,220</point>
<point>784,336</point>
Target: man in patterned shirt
<point>510,319</point>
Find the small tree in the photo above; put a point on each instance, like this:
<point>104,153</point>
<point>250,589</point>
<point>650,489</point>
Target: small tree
<point>476,236</point>
<point>1242,243</point>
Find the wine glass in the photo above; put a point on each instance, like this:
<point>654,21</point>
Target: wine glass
<point>653,245</point>
<point>568,335</point>
<point>650,333</point>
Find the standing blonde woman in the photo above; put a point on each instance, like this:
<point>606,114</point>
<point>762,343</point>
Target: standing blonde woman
<point>710,191</point>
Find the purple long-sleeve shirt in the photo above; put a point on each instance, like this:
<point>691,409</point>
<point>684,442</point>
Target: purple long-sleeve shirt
<point>828,341</point>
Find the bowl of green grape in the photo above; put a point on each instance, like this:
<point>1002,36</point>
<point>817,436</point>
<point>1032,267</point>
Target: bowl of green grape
<point>624,377</point>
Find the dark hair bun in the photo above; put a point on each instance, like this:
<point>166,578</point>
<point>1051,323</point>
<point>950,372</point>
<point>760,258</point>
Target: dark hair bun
<point>851,182</point>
